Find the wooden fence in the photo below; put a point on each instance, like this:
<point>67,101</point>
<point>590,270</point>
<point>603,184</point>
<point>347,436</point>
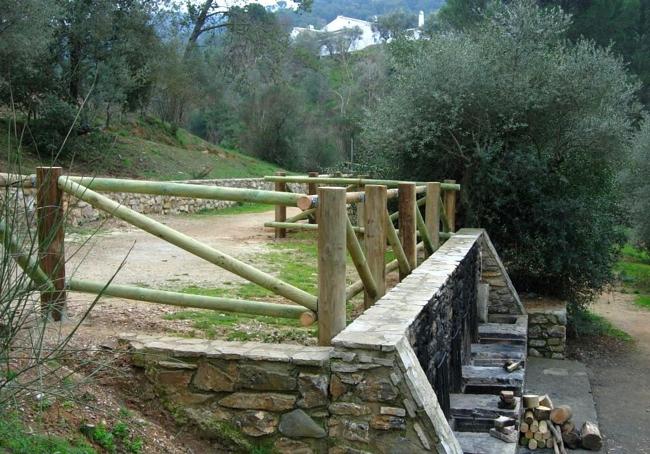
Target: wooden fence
<point>324,209</point>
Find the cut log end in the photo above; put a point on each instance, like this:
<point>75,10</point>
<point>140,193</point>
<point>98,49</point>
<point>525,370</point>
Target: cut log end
<point>591,437</point>
<point>561,414</point>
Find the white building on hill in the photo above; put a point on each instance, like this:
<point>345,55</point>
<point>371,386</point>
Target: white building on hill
<point>355,34</point>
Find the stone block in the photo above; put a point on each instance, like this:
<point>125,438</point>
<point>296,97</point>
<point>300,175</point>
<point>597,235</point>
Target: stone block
<point>257,423</point>
<point>259,401</point>
<point>349,430</point>
<point>285,445</point>
<point>313,390</point>
<point>376,389</point>
<point>349,409</point>
<point>392,411</point>
<point>267,376</point>
<point>387,422</point>
<point>537,342</point>
<point>216,376</point>
<point>337,387</point>
<point>298,424</point>
<point>557,331</point>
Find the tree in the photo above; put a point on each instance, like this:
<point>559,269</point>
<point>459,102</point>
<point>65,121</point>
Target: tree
<point>533,127</point>
<point>636,178</point>
<point>395,24</point>
<point>211,15</point>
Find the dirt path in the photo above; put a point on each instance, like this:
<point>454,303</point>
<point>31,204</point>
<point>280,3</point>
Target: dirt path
<point>621,382</point>
<point>152,262</point>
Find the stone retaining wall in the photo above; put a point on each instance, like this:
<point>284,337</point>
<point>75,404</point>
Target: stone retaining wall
<point>373,392</point>
<point>547,322</point>
<point>80,212</point>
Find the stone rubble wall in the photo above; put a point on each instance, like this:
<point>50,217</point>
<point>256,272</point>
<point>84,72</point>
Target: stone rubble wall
<point>373,392</point>
<point>503,298</point>
<point>79,212</point>
<point>243,394</point>
<point>547,331</point>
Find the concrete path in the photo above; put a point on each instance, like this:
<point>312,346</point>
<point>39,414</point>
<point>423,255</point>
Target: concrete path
<point>566,382</point>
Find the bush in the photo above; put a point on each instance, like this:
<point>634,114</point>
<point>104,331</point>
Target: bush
<point>49,132</point>
<point>637,186</point>
<point>532,127</point>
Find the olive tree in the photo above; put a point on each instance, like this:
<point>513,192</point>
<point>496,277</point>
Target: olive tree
<point>533,127</point>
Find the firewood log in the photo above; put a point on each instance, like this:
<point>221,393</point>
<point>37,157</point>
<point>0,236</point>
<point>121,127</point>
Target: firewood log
<point>547,435</point>
<point>543,427</point>
<point>546,401</point>
<point>529,417</point>
<point>539,437</point>
<point>568,426</point>
<point>530,400</point>
<point>532,444</point>
<point>534,426</point>
<point>511,366</point>
<point>557,436</point>
<point>507,396</point>
<point>523,428</point>
<point>556,448</point>
<point>591,438</point>
<point>549,443</point>
<point>529,435</point>
<point>508,437</point>
<point>542,413</point>
<point>571,438</point>
<point>561,414</point>
<point>523,441</point>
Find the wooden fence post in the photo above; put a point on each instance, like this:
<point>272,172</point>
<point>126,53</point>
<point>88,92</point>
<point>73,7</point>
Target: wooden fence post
<point>432,213</point>
<point>280,210</point>
<point>450,206</point>
<point>408,223</point>
<point>51,236</point>
<point>375,239</point>
<point>332,225</point>
<point>311,190</point>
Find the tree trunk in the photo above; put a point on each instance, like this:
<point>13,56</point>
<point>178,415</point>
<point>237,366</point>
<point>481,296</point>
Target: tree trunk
<point>198,25</point>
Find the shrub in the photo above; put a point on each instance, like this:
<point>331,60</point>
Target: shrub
<point>533,127</point>
<point>637,186</point>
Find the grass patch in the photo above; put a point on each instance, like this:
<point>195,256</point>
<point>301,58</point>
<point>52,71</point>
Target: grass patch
<point>240,208</point>
<point>118,439</point>
<point>14,439</point>
<point>589,324</point>
<point>294,261</point>
<point>633,272</point>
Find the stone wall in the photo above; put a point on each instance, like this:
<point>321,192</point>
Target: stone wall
<point>243,394</point>
<point>79,212</point>
<point>382,388</point>
<point>547,322</point>
<point>503,298</point>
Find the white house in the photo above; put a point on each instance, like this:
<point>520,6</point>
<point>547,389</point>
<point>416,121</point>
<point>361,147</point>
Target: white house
<point>367,36</point>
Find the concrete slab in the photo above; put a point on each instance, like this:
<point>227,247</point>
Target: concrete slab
<point>566,382</point>
<point>483,443</point>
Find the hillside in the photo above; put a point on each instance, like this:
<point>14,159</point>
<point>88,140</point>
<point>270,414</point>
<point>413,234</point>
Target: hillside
<point>151,149</point>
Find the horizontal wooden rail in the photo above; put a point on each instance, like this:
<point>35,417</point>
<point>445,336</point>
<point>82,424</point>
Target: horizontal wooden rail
<point>189,190</point>
<point>356,181</point>
<point>17,180</point>
<point>301,226</point>
<point>28,263</point>
<point>360,196</point>
<point>130,292</point>
<point>191,245</point>
<point>302,215</point>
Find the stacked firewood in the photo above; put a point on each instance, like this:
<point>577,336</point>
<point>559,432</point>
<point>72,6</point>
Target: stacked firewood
<point>546,426</point>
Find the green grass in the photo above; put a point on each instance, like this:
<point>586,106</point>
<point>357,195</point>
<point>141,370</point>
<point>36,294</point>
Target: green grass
<point>293,260</point>
<point>14,439</point>
<point>240,208</point>
<point>633,271</point>
<point>590,324</point>
<point>118,439</point>
<point>152,149</point>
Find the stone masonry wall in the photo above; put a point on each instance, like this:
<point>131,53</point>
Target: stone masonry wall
<point>373,392</point>
<point>243,394</point>
<point>547,322</point>
<point>503,298</point>
<point>80,212</point>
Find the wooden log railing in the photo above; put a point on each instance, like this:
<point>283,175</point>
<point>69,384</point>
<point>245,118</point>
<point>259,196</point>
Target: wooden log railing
<point>336,236</point>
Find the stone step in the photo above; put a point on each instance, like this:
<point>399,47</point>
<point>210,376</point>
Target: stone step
<point>491,380</point>
<point>496,354</point>
<point>514,333</point>
<point>476,412</point>
<point>483,443</point>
